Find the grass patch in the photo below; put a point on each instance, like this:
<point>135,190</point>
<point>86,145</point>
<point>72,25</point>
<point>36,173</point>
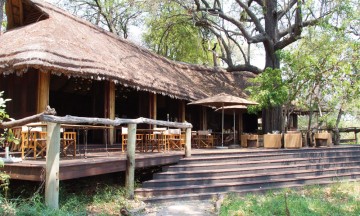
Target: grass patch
<point>337,199</point>
<point>88,196</point>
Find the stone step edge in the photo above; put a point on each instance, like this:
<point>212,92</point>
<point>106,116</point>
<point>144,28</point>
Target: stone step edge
<point>253,175</point>
<point>187,187</point>
<point>254,168</point>
<point>208,196</point>
<point>255,162</point>
<point>273,154</point>
<point>261,150</point>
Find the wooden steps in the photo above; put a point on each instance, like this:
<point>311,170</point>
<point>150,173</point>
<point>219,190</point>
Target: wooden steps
<point>205,175</point>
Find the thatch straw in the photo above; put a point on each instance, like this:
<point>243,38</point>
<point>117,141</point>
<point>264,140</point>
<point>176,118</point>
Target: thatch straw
<point>65,44</point>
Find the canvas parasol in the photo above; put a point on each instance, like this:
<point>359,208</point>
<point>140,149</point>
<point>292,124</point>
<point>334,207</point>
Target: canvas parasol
<point>233,108</point>
<point>221,100</point>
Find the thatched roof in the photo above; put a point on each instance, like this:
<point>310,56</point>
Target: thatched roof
<point>49,39</point>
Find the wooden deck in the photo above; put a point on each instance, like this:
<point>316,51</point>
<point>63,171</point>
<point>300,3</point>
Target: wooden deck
<point>95,163</point>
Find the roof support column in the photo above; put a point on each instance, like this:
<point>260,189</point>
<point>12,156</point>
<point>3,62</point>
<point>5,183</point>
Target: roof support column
<point>110,108</point>
<point>182,111</point>
<point>153,106</point>
<point>203,118</point>
<point>43,91</point>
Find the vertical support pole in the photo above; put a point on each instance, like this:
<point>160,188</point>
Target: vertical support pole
<point>43,91</point>
<point>204,118</point>
<point>52,165</point>
<point>188,143</point>
<point>130,161</point>
<point>111,111</point>
<point>153,106</point>
<point>183,111</point>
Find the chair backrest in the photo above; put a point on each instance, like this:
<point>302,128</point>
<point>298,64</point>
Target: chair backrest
<point>174,131</point>
<point>203,132</point>
<point>124,130</point>
<point>69,135</point>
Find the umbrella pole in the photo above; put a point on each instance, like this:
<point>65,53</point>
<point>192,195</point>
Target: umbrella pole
<point>222,126</point>
<point>234,127</point>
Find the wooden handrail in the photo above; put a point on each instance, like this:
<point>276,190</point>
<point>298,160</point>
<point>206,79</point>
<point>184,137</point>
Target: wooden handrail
<point>53,144</point>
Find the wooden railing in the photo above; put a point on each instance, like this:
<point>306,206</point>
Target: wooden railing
<point>53,145</point>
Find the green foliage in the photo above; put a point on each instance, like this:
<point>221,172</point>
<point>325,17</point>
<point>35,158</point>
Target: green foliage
<point>172,34</point>
<point>268,89</point>
<point>101,200</point>
<point>3,114</point>
<point>338,199</point>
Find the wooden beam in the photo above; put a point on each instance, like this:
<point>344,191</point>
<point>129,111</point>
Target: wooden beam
<point>130,161</point>
<point>43,91</point>
<point>9,14</point>
<point>204,118</point>
<point>110,107</point>
<point>52,165</point>
<point>183,111</point>
<point>153,106</point>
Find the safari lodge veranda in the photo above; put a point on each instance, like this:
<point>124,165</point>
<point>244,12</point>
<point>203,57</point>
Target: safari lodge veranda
<point>49,57</point>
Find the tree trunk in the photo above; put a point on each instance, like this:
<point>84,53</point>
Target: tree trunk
<point>2,3</point>
<point>272,117</point>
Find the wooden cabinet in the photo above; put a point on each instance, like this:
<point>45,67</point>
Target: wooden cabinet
<point>272,140</point>
<point>292,140</point>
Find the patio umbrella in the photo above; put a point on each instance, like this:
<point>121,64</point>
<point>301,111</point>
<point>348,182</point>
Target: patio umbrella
<point>234,107</point>
<point>221,100</point>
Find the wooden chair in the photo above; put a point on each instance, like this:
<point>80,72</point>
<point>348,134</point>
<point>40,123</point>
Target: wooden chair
<point>69,139</point>
<point>205,140</point>
<point>174,139</point>
<point>28,143</point>
<point>41,143</point>
<point>157,140</point>
<point>139,140</point>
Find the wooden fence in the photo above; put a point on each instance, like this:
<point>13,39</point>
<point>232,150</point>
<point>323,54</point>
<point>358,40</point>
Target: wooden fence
<point>53,145</point>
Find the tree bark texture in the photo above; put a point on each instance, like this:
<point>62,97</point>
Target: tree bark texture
<point>272,119</point>
<point>2,3</point>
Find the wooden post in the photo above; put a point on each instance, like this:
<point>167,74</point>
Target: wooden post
<point>153,106</point>
<point>130,161</point>
<point>183,111</point>
<point>188,143</point>
<point>204,118</point>
<point>43,91</point>
<point>111,110</point>
<point>52,165</point>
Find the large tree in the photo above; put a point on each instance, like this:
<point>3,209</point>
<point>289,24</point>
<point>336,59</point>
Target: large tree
<point>174,36</point>
<point>270,23</point>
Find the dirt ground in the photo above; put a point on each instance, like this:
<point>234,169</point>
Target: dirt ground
<point>183,208</point>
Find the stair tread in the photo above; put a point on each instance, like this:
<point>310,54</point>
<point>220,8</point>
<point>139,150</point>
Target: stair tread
<point>246,155</point>
<point>252,175</point>
<point>256,162</point>
<point>254,168</point>
<point>242,183</point>
<point>250,190</point>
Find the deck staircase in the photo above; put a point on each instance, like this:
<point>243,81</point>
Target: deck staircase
<point>205,175</point>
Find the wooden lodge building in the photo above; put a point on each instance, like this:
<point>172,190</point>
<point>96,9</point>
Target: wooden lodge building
<point>50,57</point>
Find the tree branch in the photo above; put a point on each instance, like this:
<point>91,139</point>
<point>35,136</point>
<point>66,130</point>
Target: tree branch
<point>281,13</point>
<point>27,120</point>
<point>245,67</point>
<point>253,17</point>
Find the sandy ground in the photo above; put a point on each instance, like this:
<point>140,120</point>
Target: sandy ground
<point>183,208</point>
